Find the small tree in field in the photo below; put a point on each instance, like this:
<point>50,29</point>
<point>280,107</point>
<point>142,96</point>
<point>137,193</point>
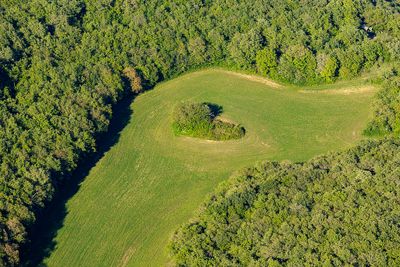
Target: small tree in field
<point>134,79</point>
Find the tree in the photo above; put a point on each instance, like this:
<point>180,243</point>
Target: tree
<point>243,48</point>
<point>327,67</point>
<point>372,51</point>
<point>197,50</point>
<point>297,65</point>
<point>134,79</point>
<point>267,62</point>
<point>351,62</point>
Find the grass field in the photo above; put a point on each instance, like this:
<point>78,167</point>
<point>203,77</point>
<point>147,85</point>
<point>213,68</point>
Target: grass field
<point>150,182</point>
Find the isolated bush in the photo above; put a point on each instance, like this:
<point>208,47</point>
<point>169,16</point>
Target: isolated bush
<point>199,120</point>
<point>192,119</point>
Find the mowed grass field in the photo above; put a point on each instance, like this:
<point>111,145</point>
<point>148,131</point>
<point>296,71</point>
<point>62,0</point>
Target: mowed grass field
<point>150,182</point>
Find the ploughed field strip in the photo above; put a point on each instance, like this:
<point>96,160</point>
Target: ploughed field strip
<point>151,181</point>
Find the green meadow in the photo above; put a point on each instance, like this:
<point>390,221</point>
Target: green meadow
<point>151,181</point>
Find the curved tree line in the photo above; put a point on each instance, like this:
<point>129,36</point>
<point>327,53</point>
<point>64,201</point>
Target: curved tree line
<point>334,210</point>
<point>64,64</point>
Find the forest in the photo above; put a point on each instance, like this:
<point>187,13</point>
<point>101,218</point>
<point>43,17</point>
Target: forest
<point>335,210</point>
<point>65,64</point>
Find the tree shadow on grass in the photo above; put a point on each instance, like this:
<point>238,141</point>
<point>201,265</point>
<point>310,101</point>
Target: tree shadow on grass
<point>51,218</point>
<point>216,109</point>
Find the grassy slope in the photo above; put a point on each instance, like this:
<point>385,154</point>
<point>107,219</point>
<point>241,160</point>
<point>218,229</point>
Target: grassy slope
<point>150,181</point>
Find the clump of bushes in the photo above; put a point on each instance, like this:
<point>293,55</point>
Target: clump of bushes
<point>200,120</point>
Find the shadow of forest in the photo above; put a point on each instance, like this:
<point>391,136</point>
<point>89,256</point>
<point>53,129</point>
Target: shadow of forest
<point>50,219</point>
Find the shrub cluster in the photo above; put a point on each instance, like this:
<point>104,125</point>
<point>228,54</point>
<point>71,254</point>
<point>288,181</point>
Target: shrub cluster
<point>199,120</point>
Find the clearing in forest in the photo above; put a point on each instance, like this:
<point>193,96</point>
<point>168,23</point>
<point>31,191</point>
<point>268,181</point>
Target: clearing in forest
<point>152,181</point>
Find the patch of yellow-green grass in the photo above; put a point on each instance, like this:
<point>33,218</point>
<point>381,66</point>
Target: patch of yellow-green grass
<point>151,181</point>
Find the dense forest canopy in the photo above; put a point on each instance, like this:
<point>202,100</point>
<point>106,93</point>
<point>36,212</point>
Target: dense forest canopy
<point>63,65</point>
<point>335,210</point>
